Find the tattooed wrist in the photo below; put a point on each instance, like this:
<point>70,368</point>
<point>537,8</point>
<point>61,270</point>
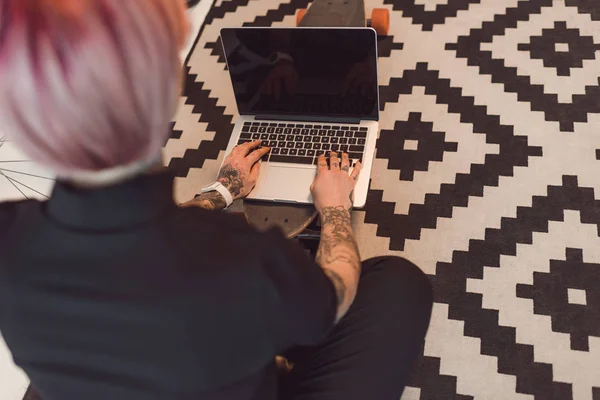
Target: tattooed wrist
<point>335,215</point>
<point>211,201</point>
<point>231,178</point>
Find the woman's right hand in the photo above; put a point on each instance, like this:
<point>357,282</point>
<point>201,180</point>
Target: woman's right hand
<point>334,185</point>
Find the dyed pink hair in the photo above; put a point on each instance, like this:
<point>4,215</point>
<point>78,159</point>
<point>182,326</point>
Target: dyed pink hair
<point>89,85</point>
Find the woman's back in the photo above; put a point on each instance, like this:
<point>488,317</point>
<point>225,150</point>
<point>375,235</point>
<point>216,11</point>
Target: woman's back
<point>108,296</point>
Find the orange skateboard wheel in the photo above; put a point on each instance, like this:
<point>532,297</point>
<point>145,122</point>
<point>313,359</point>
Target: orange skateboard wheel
<point>380,21</point>
<point>299,15</point>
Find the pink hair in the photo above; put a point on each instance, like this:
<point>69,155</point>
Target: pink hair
<point>89,85</point>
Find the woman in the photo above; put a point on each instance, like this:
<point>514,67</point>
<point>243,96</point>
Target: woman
<point>111,291</point>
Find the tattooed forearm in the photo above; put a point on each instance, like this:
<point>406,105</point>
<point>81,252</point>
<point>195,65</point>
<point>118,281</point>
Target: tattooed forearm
<point>209,201</point>
<point>337,239</point>
<point>338,255</point>
<point>231,178</point>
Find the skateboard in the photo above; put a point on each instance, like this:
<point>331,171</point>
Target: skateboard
<point>292,219</point>
<point>343,13</point>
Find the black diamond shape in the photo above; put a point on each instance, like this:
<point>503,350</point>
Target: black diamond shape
<point>550,297</point>
<point>543,48</point>
<point>432,146</point>
<point>450,285</point>
<point>427,19</point>
<point>514,151</point>
<point>469,47</point>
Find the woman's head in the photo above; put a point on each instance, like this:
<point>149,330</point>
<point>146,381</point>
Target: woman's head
<point>88,86</point>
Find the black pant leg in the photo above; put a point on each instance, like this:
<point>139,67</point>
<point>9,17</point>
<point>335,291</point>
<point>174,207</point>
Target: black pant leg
<point>370,353</point>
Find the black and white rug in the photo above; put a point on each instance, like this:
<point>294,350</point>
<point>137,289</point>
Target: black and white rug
<point>487,176</point>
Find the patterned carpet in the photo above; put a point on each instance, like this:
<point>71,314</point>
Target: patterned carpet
<point>486,176</point>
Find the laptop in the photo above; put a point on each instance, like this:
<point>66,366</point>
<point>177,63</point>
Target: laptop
<point>304,92</point>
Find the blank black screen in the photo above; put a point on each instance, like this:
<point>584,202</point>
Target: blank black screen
<point>303,71</point>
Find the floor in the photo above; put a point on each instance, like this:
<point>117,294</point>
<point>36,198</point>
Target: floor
<point>21,179</point>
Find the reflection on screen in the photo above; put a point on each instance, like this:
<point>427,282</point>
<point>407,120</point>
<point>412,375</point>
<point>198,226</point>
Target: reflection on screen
<point>318,72</point>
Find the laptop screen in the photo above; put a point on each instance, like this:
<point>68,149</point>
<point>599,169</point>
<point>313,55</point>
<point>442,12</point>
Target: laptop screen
<point>329,72</point>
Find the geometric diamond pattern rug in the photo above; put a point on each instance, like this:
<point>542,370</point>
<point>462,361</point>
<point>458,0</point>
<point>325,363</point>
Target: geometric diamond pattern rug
<point>487,176</point>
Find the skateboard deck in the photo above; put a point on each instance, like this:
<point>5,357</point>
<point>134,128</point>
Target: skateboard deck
<point>290,218</point>
<point>343,13</point>
<point>335,13</point>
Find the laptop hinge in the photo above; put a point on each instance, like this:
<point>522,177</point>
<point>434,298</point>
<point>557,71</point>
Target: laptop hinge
<point>283,117</point>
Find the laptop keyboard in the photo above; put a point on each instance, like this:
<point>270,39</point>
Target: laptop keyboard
<point>304,143</point>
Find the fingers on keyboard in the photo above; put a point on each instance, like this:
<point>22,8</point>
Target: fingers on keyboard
<point>304,143</point>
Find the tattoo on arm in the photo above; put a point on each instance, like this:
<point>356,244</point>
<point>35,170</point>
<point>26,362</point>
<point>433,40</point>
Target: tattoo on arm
<point>208,201</point>
<point>338,283</point>
<point>231,178</point>
<point>338,255</point>
<point>337,241</point>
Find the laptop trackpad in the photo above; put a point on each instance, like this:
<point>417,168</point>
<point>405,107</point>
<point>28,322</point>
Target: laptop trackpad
<point>280,183</point>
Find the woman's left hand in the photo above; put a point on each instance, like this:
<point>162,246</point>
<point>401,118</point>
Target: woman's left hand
<point>241,168</point>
